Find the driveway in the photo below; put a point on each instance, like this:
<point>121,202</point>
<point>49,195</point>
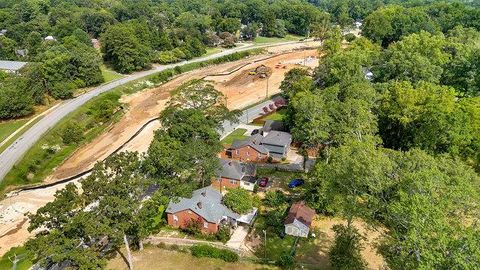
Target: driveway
<point>17,149</point>
<point>238,238</point>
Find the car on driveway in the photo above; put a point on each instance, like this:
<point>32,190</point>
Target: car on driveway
<point>296,183</point>
<point>263,182</point>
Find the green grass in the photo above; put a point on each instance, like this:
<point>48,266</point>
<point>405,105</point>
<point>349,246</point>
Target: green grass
<point>109,75</point>
<point>264,40</point>
<point>278,115</point>
<point>20,133</point>
<point>236,135</point>
<point>8,127</point>
<point>275,246</point>
<point>280,178</point>
<point>212,50</point>
<point>24,262</point>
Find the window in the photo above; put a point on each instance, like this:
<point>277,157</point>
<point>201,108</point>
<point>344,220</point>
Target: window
<point>237,152</point>
<point>205,225</point>
<point>248,153</point>
<point>233,182</point>
<point>175,218</point>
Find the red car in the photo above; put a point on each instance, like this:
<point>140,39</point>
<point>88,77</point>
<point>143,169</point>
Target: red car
<point>263,182</point>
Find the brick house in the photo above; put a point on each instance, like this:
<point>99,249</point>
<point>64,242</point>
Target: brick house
<point>249,150</point>
<point>234,174</point>
<point>204,207</point>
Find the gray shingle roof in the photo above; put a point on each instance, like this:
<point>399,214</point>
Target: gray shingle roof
<point>205,202</point>
<point>233,169</point>
<point>11,65</point>
<point>278,138</point>
<point>252,141</point>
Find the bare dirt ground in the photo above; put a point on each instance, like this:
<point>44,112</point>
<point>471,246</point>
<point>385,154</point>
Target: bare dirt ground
<point>142,107</point>
<point>316,253</point>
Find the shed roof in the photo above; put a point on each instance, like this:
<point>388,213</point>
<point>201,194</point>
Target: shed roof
<point>11,65</point>
<point>299,212</point>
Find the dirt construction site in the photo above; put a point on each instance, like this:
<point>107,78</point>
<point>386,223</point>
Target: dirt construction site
<point>244,82</point>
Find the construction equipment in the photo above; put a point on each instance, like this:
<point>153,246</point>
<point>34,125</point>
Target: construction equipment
<point>252,73</point>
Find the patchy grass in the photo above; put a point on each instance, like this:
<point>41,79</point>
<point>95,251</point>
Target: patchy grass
<point>264,40</point>
<point>277,115</point>
<point>109,75</point>
<point>280,178</point>
<point>8,127</point>
<point>20,133</point>
<point>236,135</point>
<point>152,258</point>
<point>212,50</point>
<point>24,260</point>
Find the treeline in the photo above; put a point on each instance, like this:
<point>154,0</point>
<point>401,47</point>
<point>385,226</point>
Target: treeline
<point>396,122</point>
<point>56,36</point>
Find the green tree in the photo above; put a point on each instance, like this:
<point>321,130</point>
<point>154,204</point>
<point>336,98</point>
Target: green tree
<point>124,50</point>
<point>239,200</point>
<point>345,252</point>
<point>7,48</point>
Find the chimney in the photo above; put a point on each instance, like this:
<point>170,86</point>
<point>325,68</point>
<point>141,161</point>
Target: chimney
<point>199,204</point>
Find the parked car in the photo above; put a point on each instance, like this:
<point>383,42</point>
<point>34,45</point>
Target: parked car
<point>264,182</point>
<point>296,183</point>
<point>255,131</point>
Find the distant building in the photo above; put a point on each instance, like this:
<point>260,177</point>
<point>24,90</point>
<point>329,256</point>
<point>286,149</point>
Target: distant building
<point>50,38</point>
<point>299,220</point>
<point>205,207</point>
<point>11,66</point>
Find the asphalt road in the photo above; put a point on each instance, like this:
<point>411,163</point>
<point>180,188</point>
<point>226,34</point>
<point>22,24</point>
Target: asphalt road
<point>17,149</point>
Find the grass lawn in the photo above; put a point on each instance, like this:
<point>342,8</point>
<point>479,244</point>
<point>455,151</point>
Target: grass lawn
<point>109,75</point>
<point>263,40</point>
<point>280,178</point>
<point>152,258</point>
<point>277,116</point>
<point>212,50</point>
<point>23,263</point>
<point>8,127</point>
<point>237,134</point>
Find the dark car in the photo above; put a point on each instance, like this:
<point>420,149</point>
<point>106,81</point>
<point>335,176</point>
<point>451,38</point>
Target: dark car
<point>255,131</point>
<point>263,182</point>
<point>296,183</point>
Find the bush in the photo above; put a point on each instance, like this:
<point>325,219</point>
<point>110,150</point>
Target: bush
<point>223,234</point>
<point>239,200</point>
<point>193,227</point>
<point>275,198</point>
<point>349,37</point>
<point>345,253</point>
<point>286,261</point>
<point>167,57</point>
<point>213,252</point>
<point>72,133</point>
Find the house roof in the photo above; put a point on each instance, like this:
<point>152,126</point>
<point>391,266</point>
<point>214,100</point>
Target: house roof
<point>277,138</point>
<point>270,125</point>
<point>300,213</point>
<point>233,169</point>
<point>205,202</point>
<point>252,141</point>
<point>11,65</point>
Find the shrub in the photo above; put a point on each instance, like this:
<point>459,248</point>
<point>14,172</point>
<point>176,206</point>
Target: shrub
<point>286,261</point>
<point>167,57</point>
<point>275,198</point>
<point>223,234</point>
<point>213,252</point>
<point>349,37</point>
<point>193,227</point>
<point>239,200</point>
<point>72,133</point>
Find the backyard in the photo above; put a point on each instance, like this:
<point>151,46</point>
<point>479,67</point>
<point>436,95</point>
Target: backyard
<point>237,134</point>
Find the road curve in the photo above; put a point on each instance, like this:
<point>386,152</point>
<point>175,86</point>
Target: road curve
<point>17,149</point>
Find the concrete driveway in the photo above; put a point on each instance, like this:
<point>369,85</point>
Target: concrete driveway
<point>238,238</point>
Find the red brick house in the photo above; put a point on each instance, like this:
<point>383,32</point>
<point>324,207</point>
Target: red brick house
<point>248,150</point>
<point>234,174</point>
<point>204,207</point>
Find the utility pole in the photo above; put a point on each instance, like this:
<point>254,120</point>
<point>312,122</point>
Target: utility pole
<point>265,247</point>
<point>266,95</point>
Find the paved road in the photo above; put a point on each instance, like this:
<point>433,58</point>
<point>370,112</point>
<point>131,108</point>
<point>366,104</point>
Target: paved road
<point>18,148</point>
<point>247,116</point>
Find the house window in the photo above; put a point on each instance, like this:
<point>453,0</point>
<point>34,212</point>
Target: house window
<point>233,182</point>
<point>175,218</point>
<point>237,152</point>
<point>248,153</point>
<point>205,225</point>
